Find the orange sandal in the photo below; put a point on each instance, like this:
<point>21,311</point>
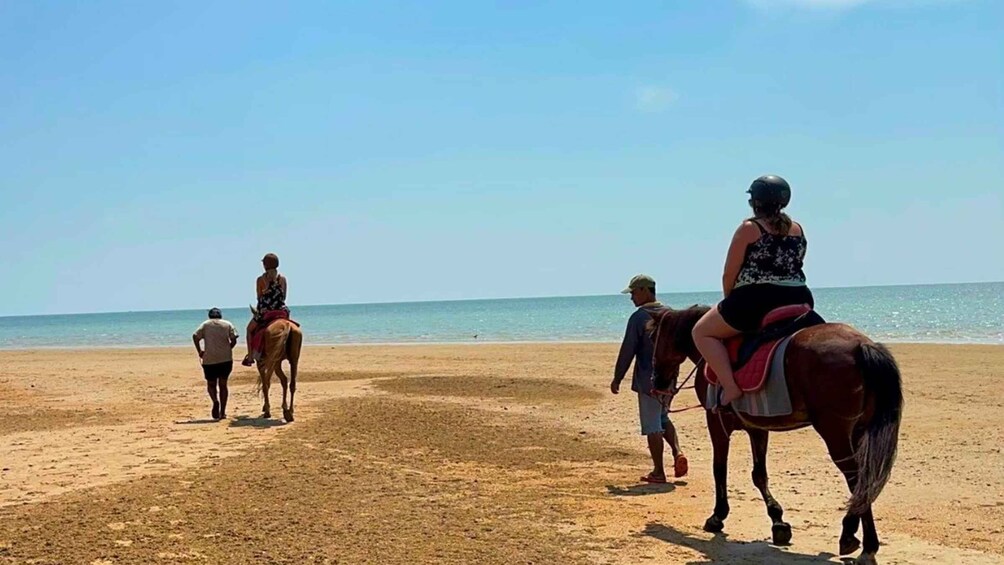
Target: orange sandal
<point>654,479</point>
<point>680,466</point>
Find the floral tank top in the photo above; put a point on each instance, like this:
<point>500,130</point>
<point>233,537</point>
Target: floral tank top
<point>773,259</point>
<point>274,298</point>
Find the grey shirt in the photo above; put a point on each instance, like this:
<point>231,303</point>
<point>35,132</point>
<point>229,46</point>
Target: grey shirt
<point>217,335</point>
<point>637,346</point>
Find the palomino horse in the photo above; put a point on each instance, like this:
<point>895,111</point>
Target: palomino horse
<point>281,341</point>
<point>841,383</point>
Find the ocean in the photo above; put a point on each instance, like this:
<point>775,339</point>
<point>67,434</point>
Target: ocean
<point>944,313</point>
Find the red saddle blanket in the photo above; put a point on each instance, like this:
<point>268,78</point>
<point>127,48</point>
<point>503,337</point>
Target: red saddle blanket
<point>752,375</point>
<point>257,337</point>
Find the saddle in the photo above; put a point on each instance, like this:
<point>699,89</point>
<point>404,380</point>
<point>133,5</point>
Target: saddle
<point>751,353</point>
<point>257,337</point>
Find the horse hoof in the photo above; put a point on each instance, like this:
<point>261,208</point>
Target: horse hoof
<point>714,524</point>
<point>866,559</point>
<point>849,545</point>
<point>781,532</point>
<point>266,414</point>
<point>287,415</point>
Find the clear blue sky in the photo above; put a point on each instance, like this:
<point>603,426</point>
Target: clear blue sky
<point>151,152</point>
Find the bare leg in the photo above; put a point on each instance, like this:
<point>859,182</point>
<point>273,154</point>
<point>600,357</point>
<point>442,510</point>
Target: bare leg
<point>211,389</point>
<point>655,449</point>
<point>224,395</point>
<point>671,438</point>
<point>680,463</point>
<point>252,325</point>
<point>708,334</point>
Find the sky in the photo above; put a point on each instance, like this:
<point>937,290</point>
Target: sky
<point>151,153</point>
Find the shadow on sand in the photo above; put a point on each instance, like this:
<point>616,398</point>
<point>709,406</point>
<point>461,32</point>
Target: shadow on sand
<point>249,422</point>
<point>720,550</point>
<point>644,489</point>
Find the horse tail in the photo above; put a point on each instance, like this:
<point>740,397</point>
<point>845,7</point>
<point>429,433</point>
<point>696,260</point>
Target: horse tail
<point>273,346</point>
<point>877,450</point>
<point>293,344</point>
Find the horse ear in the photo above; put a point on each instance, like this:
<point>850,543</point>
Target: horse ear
<point>656,316</point>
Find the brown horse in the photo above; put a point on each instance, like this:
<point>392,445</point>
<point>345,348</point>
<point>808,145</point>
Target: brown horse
<point>841,383</point>
<point>282,341</point>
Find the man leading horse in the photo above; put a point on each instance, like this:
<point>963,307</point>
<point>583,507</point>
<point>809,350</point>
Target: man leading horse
<point>836,379</point>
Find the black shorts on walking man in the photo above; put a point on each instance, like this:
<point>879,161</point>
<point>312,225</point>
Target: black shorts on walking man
<point>217,358</point>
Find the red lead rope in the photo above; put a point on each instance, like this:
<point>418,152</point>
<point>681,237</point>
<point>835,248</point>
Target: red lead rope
<point>681,387</point>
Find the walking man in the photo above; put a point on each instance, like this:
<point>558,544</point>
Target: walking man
<point>638,347</point>
<point>220,338</point>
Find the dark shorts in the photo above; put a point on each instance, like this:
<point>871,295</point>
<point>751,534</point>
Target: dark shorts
<point>746,306</point>
<point>218,370</point>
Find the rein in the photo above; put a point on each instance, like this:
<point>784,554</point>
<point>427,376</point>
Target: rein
<point>681,387</point>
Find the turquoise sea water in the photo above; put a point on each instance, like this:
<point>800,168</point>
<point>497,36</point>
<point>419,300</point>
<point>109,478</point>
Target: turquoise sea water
<point>950,313</point>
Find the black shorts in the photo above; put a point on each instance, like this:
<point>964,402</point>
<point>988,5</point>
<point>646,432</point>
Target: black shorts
<point>746,306</point>
<point>218,370</point>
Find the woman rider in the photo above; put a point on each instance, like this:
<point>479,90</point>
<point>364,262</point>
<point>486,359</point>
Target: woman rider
<point>763,270</point>
<point>271,290</point>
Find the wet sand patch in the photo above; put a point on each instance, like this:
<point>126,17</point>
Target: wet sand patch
<point>530,391</point>
<point>43,419</point>
<point>373,480</point>
<point>319,376</point>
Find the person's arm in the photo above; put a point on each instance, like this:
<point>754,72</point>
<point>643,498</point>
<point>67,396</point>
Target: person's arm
<point>233,336</point>
<point>746,234</point>
<point>282,283</point>
<point>259,287</point>
<point>196,338</point>
<point>626,355</point>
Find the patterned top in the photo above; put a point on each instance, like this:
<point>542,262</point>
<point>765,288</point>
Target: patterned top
<point>773,259</point>
<point>274,297</point>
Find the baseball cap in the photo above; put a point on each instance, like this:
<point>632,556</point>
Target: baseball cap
<point>639,281</point>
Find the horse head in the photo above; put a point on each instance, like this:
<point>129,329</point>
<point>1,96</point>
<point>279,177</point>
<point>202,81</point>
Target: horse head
<point>670,332</point>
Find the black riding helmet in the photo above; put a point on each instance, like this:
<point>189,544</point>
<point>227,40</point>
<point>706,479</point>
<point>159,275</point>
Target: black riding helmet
<point>770,190</point>
<point>271,261</point>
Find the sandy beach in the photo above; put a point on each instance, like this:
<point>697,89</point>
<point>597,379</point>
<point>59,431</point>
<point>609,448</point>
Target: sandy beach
<point>455,454</point>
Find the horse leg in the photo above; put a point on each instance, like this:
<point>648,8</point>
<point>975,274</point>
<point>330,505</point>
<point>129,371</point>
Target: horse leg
<point>266,379</point>
<point>841,448</point>
<point>720,438</point>
<point>780,530</point>
<point>292,386</point>
<point>285,388</point>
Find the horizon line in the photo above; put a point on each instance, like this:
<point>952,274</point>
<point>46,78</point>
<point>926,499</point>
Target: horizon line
<point>482,299</point>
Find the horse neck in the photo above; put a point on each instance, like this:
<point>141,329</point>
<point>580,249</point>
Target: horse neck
<point>686,344</point>
<point>700,383</point>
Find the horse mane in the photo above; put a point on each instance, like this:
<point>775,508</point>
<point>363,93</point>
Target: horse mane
<point>686,319</point>
<point>680,326</point>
